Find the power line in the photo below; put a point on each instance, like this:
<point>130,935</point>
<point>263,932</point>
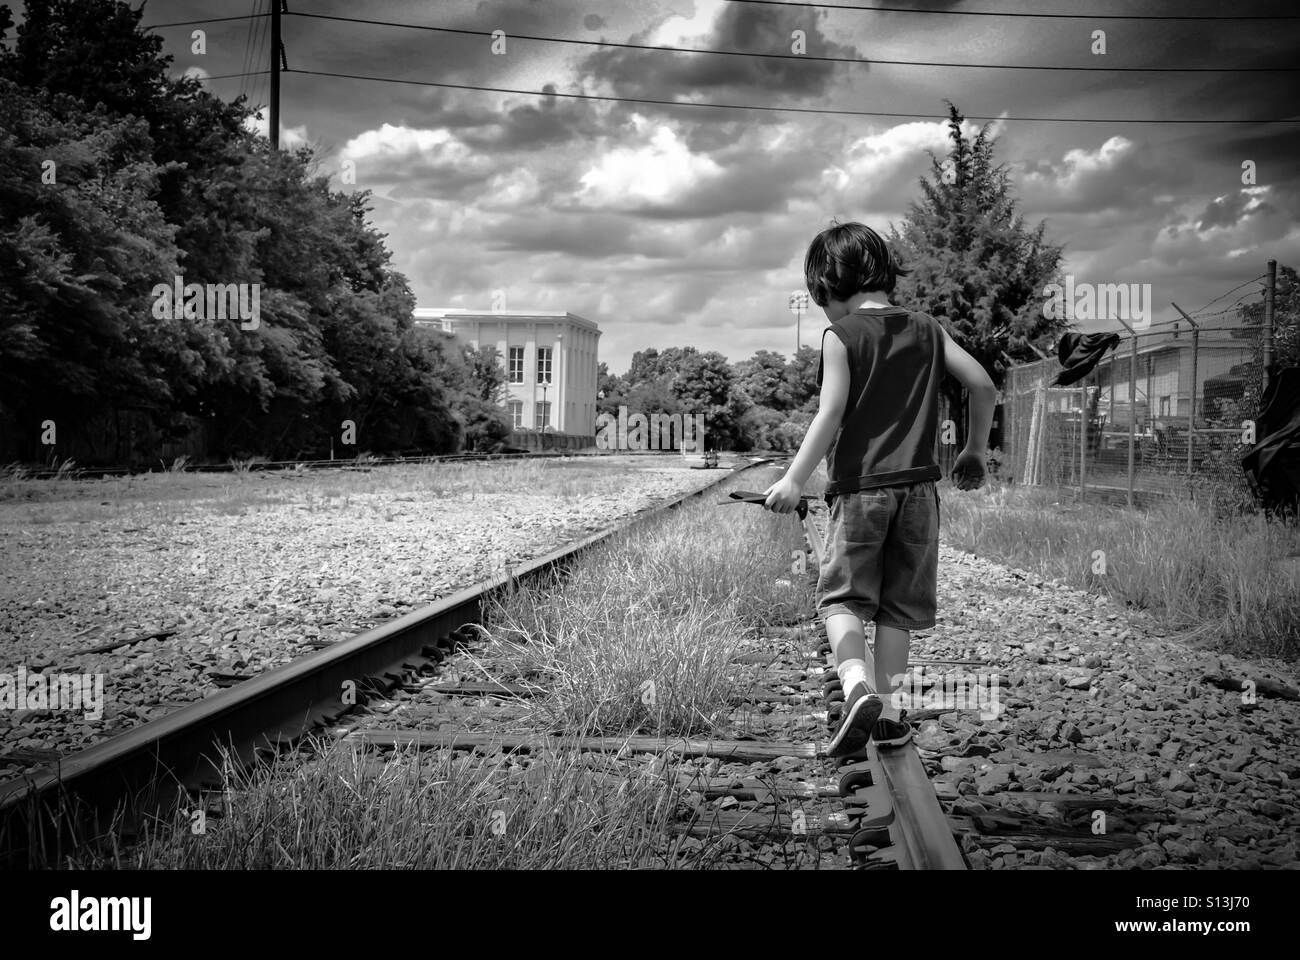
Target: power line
<point>769,108</point>
<point>248,44</point>
<point>231,76</point>
<point>575,41</point>
<point>191,23</point>
<point>1010,14</point>
<point>258,38</point>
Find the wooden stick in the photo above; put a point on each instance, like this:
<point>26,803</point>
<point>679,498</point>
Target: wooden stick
<point>104,648</point>
<point>1269,688</point>
<point>1081,845</point>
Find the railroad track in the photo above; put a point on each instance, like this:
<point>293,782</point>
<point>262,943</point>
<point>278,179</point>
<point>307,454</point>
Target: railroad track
<point>876,809</point>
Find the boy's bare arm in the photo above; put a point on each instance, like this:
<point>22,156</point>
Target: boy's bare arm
<point>783,496</point>
<point>968,471</point>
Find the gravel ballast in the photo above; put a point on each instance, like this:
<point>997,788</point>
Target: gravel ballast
<point>1099,701</point>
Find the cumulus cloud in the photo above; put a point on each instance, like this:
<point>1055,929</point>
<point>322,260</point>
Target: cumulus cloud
<point>1229,210</point>
<point>646,174</point>
<point>716,25</point>
<point>883,164</point>
<point>428,160</point>
<point>1118,174</point>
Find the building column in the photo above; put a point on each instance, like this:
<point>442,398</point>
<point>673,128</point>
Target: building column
<point>557,376</point>
<point>530,377</point>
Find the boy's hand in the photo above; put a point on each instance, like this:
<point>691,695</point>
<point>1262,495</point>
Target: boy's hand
<point>968,471</point>
<point>782,496</point>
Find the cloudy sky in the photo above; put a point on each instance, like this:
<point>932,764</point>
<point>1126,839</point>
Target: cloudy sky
<point>670,224</point>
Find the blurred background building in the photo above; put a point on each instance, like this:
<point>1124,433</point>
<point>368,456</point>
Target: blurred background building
<point>550,361</point>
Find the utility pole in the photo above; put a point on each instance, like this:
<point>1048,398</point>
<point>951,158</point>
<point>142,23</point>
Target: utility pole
<point>277,55</point>
<point>1270,290</point>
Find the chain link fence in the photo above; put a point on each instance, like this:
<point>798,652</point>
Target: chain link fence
<point>1162,416</point>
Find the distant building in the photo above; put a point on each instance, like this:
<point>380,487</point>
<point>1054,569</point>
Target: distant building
<point>1165,384</point>
<point>550,364</point>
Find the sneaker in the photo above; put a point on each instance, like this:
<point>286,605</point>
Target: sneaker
<point>891,733</point>
<point>861,711</point>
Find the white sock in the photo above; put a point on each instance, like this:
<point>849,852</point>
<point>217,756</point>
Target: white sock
<point>891,711</point>
<point>851,673</point>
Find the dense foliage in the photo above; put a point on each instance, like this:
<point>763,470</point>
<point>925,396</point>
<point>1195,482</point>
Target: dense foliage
<point>118,179</point>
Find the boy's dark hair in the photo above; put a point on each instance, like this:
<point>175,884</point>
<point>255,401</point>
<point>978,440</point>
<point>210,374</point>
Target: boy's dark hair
<point>849,258</point>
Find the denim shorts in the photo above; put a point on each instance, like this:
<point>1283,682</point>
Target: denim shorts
<point>881,558</point>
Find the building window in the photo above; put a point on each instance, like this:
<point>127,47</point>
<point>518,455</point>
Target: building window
<point>515,367</point>
<point>517,414</point>
<point>1164,406</point>
<point>543,414</point>
<point>544,364</point>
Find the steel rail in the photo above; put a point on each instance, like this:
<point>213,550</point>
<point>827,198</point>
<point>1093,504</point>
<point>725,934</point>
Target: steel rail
<point>923,836</point>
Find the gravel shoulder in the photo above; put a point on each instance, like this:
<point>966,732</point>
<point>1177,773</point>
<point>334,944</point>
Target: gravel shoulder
<point>1098,701</point>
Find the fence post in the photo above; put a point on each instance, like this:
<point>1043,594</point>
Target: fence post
<point>1031,459</point>
<point>1009,423</point>
<point>1083,440</point>
<point>1132,405</point>
<point>1191,404</point>
<point>1110,378</point>
<point>1132,412</point>
<point>1269,291</point>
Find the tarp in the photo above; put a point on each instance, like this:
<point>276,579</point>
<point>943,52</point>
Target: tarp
<point>1273,464</point>
<point>1079,353</point>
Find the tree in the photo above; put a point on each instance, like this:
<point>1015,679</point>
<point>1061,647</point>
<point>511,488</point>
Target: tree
<point>1286,336</point>
<point>802,376</point>
<point>704,384</point>
<point>766,381</point>
<point>154,179</point>
<point>80,239</point>
<point>975,266</point>
<point>480,393</point>
<point>611,391</point>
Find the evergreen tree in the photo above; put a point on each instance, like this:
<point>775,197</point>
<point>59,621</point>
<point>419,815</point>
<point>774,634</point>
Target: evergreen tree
<point>975,265</point>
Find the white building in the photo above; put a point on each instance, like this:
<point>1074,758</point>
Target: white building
<point>550,361</point>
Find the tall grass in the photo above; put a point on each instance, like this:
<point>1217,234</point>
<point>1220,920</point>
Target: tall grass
<point>1225,579</point>
<point>640,636</point>
<point>349,809</point>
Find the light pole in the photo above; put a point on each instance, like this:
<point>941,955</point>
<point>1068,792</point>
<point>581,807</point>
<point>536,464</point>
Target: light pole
<point>798,304</point>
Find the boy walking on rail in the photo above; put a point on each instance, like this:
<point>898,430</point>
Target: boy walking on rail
<point>879,418</point>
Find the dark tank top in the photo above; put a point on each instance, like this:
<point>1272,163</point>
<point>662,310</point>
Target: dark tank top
<point>890,428</point>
